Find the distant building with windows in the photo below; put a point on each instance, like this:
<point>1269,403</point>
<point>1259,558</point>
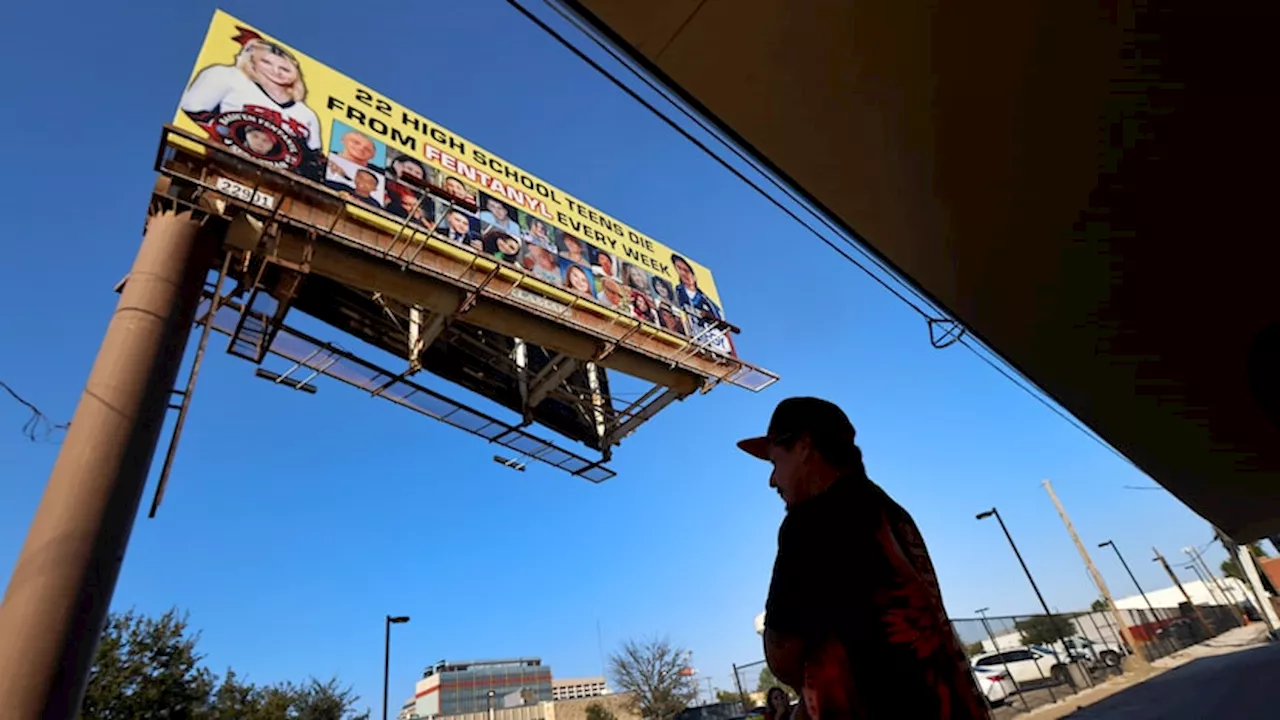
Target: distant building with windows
<point>578,688</point>
<point>461,688</point>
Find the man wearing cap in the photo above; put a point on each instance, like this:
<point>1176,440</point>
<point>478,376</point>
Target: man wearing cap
<point>854,617</point>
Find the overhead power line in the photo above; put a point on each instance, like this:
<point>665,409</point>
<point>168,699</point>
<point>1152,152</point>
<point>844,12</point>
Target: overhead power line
<point>38,426</point>
<point>953,331</point>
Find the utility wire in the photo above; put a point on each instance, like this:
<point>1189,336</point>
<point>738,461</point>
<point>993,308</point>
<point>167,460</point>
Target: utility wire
<point>1020,381</point>
<point>38,426</point>
<point>936,317</point>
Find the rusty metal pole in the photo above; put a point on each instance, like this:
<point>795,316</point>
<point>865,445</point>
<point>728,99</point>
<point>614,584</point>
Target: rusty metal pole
<point>56,603</point>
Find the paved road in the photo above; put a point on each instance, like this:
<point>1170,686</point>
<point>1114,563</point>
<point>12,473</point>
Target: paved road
<point>1033,698</point>
<point>1238,686</point>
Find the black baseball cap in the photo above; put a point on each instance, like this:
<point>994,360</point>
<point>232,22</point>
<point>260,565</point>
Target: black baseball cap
<point>815,417</point>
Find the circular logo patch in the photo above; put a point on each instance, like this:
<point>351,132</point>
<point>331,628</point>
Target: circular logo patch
<point>258,137</point>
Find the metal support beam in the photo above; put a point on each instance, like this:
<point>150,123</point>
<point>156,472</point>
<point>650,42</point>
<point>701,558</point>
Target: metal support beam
<point>597,399</point>
<point>520,356</point>
<point>607,349</point>
<point>357,270</point>
<point>648,411</point>
<point>474,295</point>
<point>421,336</point>
<point>556,372</point>
<point>285,291</point>
<point>192,375</point>
<point>57,598</point>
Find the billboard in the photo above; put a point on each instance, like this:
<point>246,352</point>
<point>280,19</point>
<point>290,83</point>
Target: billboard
<point>262,99</point>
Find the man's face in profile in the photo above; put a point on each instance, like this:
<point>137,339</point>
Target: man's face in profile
<point>788,468</point>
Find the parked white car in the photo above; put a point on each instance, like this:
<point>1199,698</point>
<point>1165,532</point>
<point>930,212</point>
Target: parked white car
<point>995,684</point>
<point>1093,651</point>
<point>1029,665</point>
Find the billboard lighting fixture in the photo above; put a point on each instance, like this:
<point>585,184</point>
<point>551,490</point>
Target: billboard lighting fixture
<point>513,463</point>
<point>728,327</point>
<point>718,323</point>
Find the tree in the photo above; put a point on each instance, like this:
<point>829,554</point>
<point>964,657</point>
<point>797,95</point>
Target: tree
<point>234,699</point>
<point>768,681</point>
<point>1045,629</point>
<point>656,674</point>
<point>596,711</point>
<point>1231,568</point>
<point>1099,605</point>
<point>728,696</point>
<point>149,668</point>
<point>974,648</point>
<point>325,701</point>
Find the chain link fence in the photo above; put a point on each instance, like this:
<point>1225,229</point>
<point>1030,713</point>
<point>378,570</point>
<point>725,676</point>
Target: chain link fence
<point>1022,662</point>
<point>1025,661</point>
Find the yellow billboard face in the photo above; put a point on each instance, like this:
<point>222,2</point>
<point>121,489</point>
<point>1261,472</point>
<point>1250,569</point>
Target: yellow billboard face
<point>262,99</point>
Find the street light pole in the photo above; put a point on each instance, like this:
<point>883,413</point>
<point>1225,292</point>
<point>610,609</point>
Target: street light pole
<point>1215,592</point>
<point>995,648</point>
<point>1044,605</point>
<point>1146,600</point>
<point>1200,576</point>
<point>386,658</point>
<point>1228,599</point>
<point>1178,583</point>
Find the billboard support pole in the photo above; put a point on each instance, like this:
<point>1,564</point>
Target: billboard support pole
<point>56,603</point>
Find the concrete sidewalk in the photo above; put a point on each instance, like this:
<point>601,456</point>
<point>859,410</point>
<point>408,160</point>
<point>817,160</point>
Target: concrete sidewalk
<point>1225,677</point>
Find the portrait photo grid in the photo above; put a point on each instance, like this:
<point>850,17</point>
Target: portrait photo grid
<point>364,169</point>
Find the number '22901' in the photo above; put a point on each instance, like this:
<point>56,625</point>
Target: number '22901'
<point>243,192</point>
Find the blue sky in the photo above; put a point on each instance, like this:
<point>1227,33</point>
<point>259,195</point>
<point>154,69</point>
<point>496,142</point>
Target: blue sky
<point>293,523</point>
